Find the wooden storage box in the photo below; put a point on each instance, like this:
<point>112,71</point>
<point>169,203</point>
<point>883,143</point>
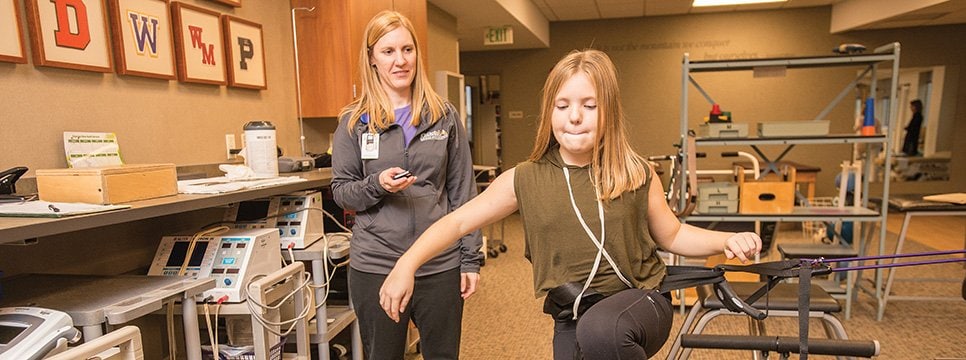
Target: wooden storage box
<point>107,185</point>
<point>767,197</point>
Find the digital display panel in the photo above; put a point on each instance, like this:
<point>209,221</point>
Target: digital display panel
<point>252,210</point>
<point>179,251</point>
<point>8,333</point>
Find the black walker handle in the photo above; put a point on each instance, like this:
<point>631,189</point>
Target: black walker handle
<point>735,303</point>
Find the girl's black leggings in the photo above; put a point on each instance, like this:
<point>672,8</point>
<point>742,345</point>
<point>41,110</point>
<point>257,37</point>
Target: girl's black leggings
<point>632,324</point>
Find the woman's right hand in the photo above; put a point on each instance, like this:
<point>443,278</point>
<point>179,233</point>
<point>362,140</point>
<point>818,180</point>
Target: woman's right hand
<point>395,293</point>
<point>394,185</point>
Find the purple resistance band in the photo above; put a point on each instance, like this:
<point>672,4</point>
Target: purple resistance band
<point>892,265</point>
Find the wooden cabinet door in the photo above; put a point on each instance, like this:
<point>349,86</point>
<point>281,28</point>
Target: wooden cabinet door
<point>360,12</point>
<point>415,10</point>
<point>323,57</point>
<point>329,41</point>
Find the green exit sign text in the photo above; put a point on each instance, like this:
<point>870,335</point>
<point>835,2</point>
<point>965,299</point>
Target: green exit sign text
<point>498,36</point>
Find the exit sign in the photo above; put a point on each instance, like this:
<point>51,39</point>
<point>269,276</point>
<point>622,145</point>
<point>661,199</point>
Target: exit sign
<point>498,35</point>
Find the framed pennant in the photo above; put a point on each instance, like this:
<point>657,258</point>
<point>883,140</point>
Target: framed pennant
<point>143,42</point>
<point>69,34</point>
<point>245,53</point>
<point>11,38</point>
<point>198,45</point>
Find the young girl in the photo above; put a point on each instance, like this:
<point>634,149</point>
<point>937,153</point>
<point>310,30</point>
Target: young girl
<point>593,215</point>
<point>399,126</point>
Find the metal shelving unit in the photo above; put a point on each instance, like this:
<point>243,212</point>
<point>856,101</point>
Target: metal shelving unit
<point>887,54</point>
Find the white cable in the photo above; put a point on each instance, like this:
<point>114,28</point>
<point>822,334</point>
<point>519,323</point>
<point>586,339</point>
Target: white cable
<point>593,238</point>
<point>194,240</point>
<point>252,303</point>
<point>337,222</point>
<point>211,337</point>
<point>172,348</point>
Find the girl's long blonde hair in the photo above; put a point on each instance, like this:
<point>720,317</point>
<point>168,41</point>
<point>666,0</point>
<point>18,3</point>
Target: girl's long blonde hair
<point>615,167</point>
<point>374,100</point>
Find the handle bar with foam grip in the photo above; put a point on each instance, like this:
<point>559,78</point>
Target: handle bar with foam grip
<point>782,344</point>
<point>735,303</point>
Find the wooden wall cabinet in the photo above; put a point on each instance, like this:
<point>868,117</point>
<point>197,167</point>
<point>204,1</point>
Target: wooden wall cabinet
<point>329,39</point>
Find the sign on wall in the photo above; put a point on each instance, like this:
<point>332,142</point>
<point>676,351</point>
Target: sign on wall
<point>502,35</point>
<point>246,53</point>
<point>69,34</point>
<point>143,44</point>
<point>11,40</point>
<point>197,35</point>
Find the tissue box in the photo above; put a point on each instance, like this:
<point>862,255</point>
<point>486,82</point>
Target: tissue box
<point>107,185</point>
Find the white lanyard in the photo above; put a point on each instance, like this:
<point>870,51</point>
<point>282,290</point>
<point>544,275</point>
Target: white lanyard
<point>593,238</point>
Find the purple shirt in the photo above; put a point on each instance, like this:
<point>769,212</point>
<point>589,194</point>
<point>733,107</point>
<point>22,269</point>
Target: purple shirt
<point>403,116</point>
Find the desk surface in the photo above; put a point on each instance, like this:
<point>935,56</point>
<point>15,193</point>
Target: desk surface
<point>17,229</point>
<point>916,203</point>
<point>96,299</point>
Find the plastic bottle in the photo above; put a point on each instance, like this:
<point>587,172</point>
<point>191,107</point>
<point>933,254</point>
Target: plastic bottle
<point>261,152</point>
<point>868,123</point>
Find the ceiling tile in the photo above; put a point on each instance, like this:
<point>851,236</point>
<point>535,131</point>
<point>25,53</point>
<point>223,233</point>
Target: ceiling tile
<point>610,9</point>
<point>583,12</point>
<point>473,15</point>
<point>808,3</point>
<point>666,7</point>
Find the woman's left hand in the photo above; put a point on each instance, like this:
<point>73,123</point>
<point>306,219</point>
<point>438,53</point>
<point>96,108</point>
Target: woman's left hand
<point>468,283</point>
<point>743,246</point>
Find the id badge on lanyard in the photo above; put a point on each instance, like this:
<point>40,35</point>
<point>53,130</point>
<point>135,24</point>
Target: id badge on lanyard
<point>370,146</point>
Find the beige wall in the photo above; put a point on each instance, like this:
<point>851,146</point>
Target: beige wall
<point>156,121</point>
<point>442,34</point>
<point>648,53</point>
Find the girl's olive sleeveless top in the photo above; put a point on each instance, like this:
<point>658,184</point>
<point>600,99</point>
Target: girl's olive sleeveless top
<point>558,246</point>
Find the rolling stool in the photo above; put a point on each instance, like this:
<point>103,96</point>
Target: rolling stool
<point>782,301</point>
<point>827,251</point>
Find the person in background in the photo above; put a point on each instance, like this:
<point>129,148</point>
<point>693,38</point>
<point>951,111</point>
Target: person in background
<point>593,216</point>
<point>401,160</point>
<point>910,145</point>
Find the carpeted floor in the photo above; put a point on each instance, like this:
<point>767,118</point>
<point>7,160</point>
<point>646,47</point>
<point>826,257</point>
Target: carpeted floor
<point>504,321</point>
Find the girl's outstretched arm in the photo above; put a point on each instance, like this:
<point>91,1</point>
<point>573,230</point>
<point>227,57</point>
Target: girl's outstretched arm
<point>496,202</point>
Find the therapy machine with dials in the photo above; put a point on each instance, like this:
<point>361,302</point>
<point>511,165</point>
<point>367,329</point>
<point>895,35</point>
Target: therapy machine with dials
<point>297,216</point>
<point>232,258</point>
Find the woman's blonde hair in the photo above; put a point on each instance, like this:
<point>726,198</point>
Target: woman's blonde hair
<point>615,167</point>
<point>373,100</point>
